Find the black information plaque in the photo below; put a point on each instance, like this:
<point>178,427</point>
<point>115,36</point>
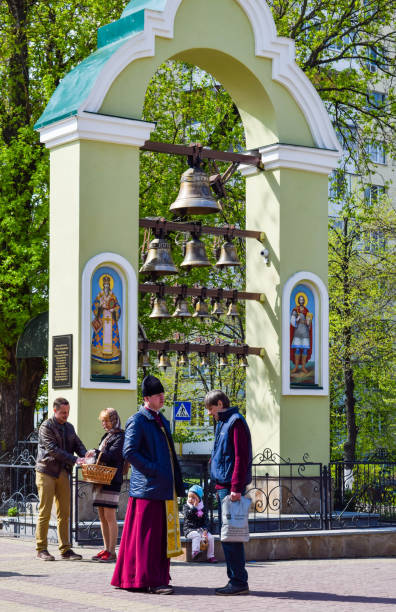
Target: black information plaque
<point>62,361</point>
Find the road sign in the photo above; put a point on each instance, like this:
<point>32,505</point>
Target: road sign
<point>182,411</point>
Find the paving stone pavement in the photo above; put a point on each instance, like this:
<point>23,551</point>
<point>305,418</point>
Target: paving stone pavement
<point>30,585</point>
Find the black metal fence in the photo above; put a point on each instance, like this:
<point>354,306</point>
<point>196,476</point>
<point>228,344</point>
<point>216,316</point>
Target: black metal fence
<point>286,495</point>
<point>363,494</point>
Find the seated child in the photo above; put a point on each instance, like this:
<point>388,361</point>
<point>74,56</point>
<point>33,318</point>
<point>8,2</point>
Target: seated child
<point>195,524</point>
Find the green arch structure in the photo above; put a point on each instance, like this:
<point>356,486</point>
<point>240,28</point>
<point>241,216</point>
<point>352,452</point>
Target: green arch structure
<point>94,130</point>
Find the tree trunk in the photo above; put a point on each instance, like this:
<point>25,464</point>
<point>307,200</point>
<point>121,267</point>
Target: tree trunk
<point>15,426</point>
<point>350,401</point>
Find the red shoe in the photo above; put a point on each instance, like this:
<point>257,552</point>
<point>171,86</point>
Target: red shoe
<point>212,560</point>
<point>98,556</point>
<point>107,557</point>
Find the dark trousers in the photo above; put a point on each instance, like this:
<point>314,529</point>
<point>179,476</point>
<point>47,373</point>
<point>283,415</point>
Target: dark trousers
<point>234,553</point>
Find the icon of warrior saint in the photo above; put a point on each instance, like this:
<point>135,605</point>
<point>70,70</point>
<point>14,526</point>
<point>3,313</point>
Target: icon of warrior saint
<point>300,334</point>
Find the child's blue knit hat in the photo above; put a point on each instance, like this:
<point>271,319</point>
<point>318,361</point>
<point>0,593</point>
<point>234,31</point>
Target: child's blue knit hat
<point>197,490</point>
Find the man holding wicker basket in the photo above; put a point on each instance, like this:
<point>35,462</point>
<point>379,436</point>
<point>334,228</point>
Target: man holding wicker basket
<point>57,445</point>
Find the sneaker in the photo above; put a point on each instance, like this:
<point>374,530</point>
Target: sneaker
<point>161,590</point>
<point>230,589</point>
<point>212,560</point>
<point>70,555</point>
<point>108,557</point>
<point>45,556</point>
<point>196,555</point>
<point>98,556</point>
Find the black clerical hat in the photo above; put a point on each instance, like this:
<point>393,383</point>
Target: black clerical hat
<point>151,385</point>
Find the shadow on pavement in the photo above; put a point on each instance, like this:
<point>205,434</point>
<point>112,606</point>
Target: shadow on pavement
<point>315,596</point>
<point>9,574</point>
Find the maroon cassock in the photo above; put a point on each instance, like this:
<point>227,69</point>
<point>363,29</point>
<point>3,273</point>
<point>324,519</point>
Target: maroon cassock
<point>142,560</point>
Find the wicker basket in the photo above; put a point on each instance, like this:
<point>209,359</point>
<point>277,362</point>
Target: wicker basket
<point>99,474</point>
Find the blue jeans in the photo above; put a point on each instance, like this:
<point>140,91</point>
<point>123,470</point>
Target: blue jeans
<point>234,553</point>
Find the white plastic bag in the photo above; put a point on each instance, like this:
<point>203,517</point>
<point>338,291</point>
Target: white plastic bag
<point>235,519</point>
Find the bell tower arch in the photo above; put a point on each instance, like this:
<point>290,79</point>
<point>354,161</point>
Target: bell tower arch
<point>93,128</point>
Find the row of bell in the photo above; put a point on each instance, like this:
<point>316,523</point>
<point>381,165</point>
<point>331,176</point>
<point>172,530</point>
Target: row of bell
<point>159,258</point>
<point>182,360</point>
<point>160,309</point>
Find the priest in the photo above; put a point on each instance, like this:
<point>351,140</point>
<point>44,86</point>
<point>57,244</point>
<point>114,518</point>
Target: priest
<point>151,534</point>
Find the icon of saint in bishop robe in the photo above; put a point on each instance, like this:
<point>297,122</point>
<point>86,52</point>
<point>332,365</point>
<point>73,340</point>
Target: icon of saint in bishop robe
<point>105,346</point>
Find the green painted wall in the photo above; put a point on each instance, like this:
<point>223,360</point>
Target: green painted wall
<point>291,207</point>
<point>94,203</point>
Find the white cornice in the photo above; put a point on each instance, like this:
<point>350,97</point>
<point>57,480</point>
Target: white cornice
<point>295,157</point>
<point>101,128</point>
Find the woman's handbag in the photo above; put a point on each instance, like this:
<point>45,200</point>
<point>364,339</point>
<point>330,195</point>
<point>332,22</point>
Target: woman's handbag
<point>235,519</point>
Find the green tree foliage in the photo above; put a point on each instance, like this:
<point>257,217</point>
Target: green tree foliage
<point>362,325</point>
<point>39,43</point>
<point>346,48</point>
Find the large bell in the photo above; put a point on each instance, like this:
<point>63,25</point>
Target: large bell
<point>195,256</point>
<point>181,309</point>
<point>160,309</point>
<point>194,197</point>
<point>201,309</point>
<point>164,361</point>
<point>228,255</point>
<point>159,258</point>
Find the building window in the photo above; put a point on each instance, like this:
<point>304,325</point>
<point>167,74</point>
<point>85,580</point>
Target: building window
<point>376,152</point>
<point>376,99</point>
<point>373,193</point>
<point>373,242</point>
<point>372,59</point>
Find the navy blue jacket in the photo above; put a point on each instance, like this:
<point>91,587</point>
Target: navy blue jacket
<point>112,455</point>
<point>146,449</point>
<point>223,454</point>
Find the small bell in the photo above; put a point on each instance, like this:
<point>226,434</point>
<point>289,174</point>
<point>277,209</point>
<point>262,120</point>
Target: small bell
<point>144,360</point>
<point>228,255</point>
<point>164,361</point>
<point>181,309</point>
<point>218,309</point>
<point>204,361</point>
<point>195,256</point>
<point>242,361</point>
<point>201,309</point>
<point>194,197</point>
<point>223,361</point>
<point>182,360</point>
<point>159,258</point>
<point>160,309</point>
<point>232,310</point>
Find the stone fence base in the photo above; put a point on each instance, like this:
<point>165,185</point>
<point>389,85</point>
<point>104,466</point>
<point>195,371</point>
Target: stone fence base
<point>342,544</point>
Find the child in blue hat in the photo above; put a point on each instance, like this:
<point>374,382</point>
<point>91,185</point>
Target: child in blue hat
<point>195,524</point>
